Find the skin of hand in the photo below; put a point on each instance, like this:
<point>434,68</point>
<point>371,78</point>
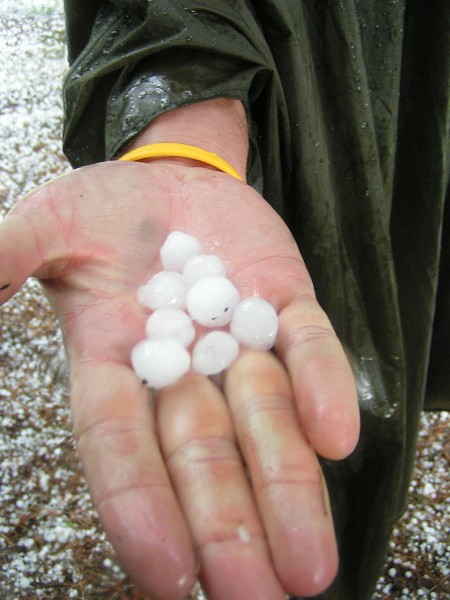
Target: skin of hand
<point>223,484</point>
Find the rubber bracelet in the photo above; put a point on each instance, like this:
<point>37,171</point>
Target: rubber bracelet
<point>170,149</point>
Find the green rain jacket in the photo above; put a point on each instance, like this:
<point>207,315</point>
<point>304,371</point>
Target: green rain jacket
<point>349,108</point>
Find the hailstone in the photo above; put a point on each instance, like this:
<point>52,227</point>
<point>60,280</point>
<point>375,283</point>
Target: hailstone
<point>255,324</point>
<point>214,353</point>
<point>202,265</point>
<point>170,322</point>
<point>163,290</point>
<point>212,300</point>
<point>160,362</point>
<point>178,248</point>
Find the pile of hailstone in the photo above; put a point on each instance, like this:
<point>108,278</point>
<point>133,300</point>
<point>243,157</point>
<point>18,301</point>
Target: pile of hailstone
<point>193,288</point>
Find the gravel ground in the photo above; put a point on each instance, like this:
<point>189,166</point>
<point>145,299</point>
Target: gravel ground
<point>51,545</point>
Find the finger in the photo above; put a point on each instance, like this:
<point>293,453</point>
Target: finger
<point>322,379</point>
<point>32,235</point>
<point>285,474</point>
<point>20,253</point>
<point>198,443</point>
<point>131,490</point>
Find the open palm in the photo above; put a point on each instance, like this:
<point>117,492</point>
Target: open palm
<point>228,478</point>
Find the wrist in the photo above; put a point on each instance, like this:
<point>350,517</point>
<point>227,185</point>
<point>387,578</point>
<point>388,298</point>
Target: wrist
<point>218,126</point>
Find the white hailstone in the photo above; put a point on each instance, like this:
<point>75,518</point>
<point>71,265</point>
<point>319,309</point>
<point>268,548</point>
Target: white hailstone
<point>244,534</point>
<point>163,290</point>
<point>160,362</point>
<point>214,353</point>
<point>202,265</point>
<point>255,324</point>
<point>212,300</point>
<point>172,323</point>
<point>178,248</point>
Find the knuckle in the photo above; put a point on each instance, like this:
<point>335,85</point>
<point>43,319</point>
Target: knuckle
<point>106,427</point>
<point>202,451</point>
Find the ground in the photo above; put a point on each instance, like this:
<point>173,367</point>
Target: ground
<point>51,544</point>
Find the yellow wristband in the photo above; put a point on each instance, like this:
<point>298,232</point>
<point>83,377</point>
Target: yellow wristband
<point>169,149</point>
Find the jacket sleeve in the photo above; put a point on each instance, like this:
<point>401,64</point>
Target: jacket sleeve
<point>132,60</point>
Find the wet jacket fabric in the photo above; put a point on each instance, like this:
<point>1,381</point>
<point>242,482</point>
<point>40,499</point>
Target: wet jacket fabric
<point>348,102</point>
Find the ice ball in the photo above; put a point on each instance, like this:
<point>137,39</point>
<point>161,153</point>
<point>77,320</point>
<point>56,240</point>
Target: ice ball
<point>170,322</point>
<point>160,362</point>
<point>212,300</point>
<point>255,324</point>
<point>178,248</point>
<point>202,265</point>
<point>214,353</point>
<point>165,289</point>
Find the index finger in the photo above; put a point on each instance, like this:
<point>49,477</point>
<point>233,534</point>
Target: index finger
<point>321,376</point>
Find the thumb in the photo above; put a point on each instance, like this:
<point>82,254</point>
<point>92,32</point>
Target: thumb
<point>28,242</point>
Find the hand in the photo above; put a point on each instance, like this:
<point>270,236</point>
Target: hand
<point>232,474</point>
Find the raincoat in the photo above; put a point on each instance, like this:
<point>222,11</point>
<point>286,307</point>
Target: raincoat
<point>348,102</point>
